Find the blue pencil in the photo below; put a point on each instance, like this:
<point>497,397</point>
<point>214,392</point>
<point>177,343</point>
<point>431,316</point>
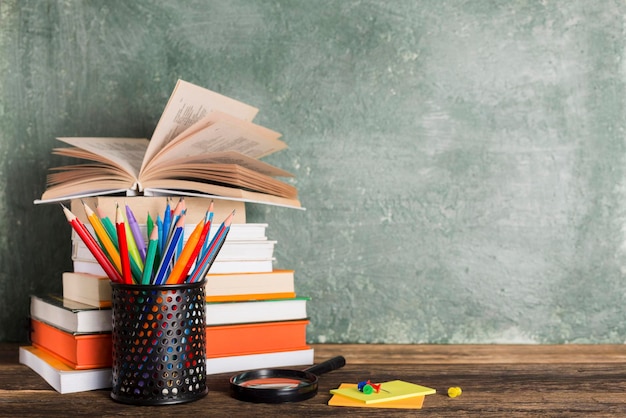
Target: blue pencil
<point>169,252</point>
<point>204,263</point>
<point>160,244</point>
<point>165,230</point>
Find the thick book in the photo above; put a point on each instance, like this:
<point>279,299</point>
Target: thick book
<point>225,313</point>
<point>90,289</point>
<point>60,376</point>
<point>80,352</point>
<point>45,309</point>
<point>203,143</point>
<point>64,379</point>
<point>229,364</point>
<point>218,267</point>
<point>77,350</point>
<point>265,337</point>
<point>246,286</point>
<point>237,232</point>
<point>230,251</point>
<point>70,315</point>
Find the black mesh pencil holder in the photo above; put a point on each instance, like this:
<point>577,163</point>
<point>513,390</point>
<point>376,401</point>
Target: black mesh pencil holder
<point>159,343</point>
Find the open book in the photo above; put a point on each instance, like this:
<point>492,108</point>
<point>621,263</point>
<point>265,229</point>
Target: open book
<point>204,144</point>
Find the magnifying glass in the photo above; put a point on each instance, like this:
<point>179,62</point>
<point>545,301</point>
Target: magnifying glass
<point>281,385</point>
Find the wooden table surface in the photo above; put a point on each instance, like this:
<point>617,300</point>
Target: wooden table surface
<point>497,380</point>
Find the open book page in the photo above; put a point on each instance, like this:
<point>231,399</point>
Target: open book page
<point>194,188</point>
<point>219,136</point>
<point>87,174</point>
<point>226,157</point>
<point>187,104</point>
<point>124,153</point>
<point>232,175</point>
<point>216,115</point>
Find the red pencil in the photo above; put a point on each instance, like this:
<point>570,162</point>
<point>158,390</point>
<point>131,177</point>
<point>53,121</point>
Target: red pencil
<point>123,246</point>
<point>92,245</point>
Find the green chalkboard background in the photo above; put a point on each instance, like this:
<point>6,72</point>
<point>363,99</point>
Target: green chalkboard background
<point>462,162</point>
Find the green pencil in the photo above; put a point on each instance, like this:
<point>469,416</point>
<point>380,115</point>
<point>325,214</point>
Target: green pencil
<point>108,225</point>
<point>149,225</point>
<point>150,254</point>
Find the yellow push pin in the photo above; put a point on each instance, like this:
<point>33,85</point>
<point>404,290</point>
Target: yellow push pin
<point>455,391</point>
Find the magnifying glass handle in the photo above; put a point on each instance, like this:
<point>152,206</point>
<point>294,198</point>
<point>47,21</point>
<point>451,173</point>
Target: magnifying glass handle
<point>327,366</point>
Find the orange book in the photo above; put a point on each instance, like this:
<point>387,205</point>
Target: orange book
<point>79,351</point>
<point>86,351</point>
<point>264,337</point>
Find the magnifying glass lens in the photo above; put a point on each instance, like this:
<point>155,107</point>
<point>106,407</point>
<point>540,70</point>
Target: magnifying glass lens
<point>273,383</point>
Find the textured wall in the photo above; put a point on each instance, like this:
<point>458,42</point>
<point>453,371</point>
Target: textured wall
<point>462,162</point>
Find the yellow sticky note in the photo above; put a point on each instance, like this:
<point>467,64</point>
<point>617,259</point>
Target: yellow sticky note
<point>389,391</point>
<point>414,402</point>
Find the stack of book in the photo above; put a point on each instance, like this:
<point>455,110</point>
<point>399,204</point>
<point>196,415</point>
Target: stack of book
<point>205,148</point>
<point>71,339</point>
<point>254,317</point>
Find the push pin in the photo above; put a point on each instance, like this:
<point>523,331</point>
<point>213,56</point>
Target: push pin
<point>367,387</point>
<point>454,391</point>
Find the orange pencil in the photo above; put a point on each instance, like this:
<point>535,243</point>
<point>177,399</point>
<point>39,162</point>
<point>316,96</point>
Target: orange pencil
<point>92,245</point>
<point>123,246</point>
<point>190,246</point>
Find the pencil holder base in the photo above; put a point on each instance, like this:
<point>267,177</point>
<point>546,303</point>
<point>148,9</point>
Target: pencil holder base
<point>159,344</point>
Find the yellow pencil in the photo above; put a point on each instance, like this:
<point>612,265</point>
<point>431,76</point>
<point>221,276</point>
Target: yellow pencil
<point>104,238</point>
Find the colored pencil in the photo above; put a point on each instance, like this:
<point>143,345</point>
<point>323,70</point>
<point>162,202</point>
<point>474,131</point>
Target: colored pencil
<point>178,210</point>
<point>92,245</point>
<point>104,238</point>
<point>186,254</point>
<point>205,246</point>
<point>195,256</point>
<point>169,252</point>
<point>108,225</point>
<point>123,246</point>
<point>135,268</point>
<point>202,267</point>
<point>140,243</point>
<point>165,230</point>
<point>149,224</point>
<point>153,244</point>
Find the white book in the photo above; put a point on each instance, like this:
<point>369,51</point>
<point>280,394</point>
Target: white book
<point>75,317</point>
<point>61,377</point>
<point>218,267</point>
<point>275,281</point>
<point>70,315</point>
<point>296,358</point>
<point>231,250</point>
<point>226,313</point>
<point>67,380</point>
<point>237,232</point>
<point>87,288</point>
